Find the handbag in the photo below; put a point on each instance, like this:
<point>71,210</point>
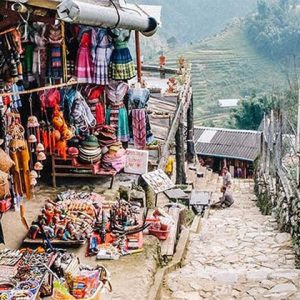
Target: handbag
<point>5,161</point>
<point>4,185</point>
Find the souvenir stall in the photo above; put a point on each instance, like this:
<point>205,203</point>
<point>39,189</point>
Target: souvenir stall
<point>65,99</point>
<point>74,218</point>
<point>27,275</point>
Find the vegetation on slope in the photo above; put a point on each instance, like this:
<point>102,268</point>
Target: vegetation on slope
<point>227,66</point>
<point>193,20</point>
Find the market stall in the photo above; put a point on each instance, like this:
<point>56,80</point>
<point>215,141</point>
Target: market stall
<point>65,98</point>
<point>26,274</point>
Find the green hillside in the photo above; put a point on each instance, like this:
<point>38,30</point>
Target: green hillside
<point>227,66</point>
<point>194,20</point>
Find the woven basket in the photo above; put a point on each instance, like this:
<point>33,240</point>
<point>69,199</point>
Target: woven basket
<point>4,185</point>
<point>5,161</point>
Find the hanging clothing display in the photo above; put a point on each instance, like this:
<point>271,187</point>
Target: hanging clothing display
<point>10,63</point>
<point>121,64</point>
<point>55,56</point>
<point>81,114</point>
<point>101,53</point>
<point>96,103</point>
<point>84,66</point>
<point>64,101</point>
<point>18,151</point>
<point>72,44</point>
<point>140,128</point>
<point>116,113</point>
<point>40,53</point>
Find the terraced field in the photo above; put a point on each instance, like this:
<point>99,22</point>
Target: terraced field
<point>226,66</point>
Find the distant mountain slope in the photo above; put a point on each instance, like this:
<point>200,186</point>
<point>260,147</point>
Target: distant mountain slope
<point>193,20</point>
<point>226,66</point>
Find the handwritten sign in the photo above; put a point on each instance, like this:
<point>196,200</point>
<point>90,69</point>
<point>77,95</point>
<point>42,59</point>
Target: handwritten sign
<point>136,161</point>
<point>158,180</point>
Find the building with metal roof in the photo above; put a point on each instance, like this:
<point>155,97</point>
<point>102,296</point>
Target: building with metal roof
<point>228,103</point>
<point>236,149</point>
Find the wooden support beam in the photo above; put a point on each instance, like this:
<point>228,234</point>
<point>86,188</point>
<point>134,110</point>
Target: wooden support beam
<point>180,157</point>
<point>190,133</point>
<point>138,56</point>
<point>183,103</point>
<point>158,69</point>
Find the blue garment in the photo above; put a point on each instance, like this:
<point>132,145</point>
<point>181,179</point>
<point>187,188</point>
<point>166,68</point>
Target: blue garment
<point>16,100</point>
<point>138,98</point>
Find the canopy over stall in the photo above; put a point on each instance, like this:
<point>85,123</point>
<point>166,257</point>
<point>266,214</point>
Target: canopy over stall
<point>108,13</point>
<point>89,14</point>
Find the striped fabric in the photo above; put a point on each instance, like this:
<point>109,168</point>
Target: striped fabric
<point>139,128</point>
<point>101,53</point>
<point>121,65</point>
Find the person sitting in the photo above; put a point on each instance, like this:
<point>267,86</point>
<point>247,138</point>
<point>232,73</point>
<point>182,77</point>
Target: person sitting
<point>225,201</point>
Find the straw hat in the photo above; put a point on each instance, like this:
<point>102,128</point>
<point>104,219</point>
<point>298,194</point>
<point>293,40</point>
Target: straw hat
<point>32,139</point>
<point>33,174</point>
<point>40,147</point>
<point>91,142</point>
<point>41,156</point>
<point>38,166</point>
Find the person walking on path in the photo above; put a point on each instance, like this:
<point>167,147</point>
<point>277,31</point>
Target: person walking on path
<point>227,178</point>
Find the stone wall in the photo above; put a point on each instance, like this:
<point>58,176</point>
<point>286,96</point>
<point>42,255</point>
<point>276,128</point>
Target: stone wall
<point>276,196</point>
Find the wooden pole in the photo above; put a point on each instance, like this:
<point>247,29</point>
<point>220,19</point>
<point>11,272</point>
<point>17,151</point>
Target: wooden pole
<point>298,141</point>
<point>180,157</point>
<point>47,87</point>
<point>64,53</point>
<point>190,133</point>
<point>138,56</point>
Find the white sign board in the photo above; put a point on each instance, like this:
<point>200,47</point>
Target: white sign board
<point>136,161</point>
<point>158,180</point>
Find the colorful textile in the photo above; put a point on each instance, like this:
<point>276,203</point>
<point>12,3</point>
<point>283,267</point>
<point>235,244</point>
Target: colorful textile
<point>40,55</point>
<point>28,59</point>
<point>149,134</point>
<point>16,100</point>
<point>138,98</point>
<point>55,63</point>
<point>121,65</point>
<point>114,159</point>
<point>100,114</point>
<point>119,117</point>
<point>101,53</point>
<point>116,91</point>
<point>84,65</point>
<point>106,135</point>
<point>139,128</point>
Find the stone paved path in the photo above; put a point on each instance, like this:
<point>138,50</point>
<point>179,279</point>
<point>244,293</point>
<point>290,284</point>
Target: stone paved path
<point>239,254</point>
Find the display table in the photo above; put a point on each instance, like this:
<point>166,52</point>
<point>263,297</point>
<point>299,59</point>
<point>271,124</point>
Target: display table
<point>71,168</point>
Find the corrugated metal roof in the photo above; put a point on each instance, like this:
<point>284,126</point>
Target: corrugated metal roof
<point>225,103</point>
<point>228,143</point>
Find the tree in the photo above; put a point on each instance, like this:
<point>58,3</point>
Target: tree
<point>250,113</point>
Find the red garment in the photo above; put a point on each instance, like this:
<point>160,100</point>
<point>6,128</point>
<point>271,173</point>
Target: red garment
<point>84,65</point>
<point>100,114</point>
<point>96,92</point>
<point>85,40</point>
<point>96,106</point>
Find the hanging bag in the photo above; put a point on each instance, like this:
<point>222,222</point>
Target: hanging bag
<point>4,185</point>
<point>5,161</point>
